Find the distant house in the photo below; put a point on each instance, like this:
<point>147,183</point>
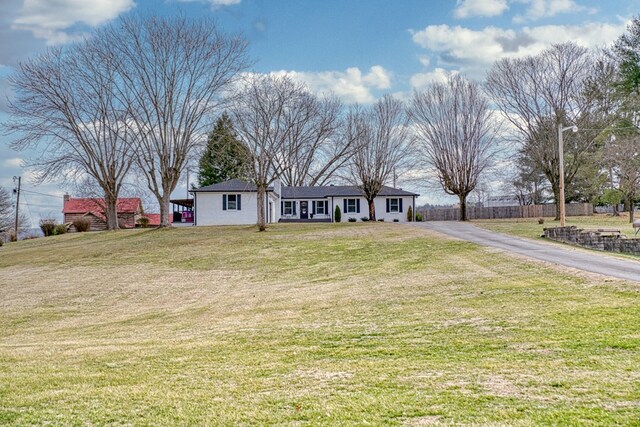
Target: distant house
<point>235,202</point>
<point>154,219</point>
<point>129,210</point>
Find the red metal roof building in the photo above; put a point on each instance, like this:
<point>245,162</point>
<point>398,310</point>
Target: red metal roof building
<point>129,210</point>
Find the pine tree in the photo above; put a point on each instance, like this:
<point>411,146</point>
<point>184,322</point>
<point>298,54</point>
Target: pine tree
<point>225,157</point>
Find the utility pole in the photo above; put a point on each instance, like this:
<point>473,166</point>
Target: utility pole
<point>561,129</point>
<point>19,178</point>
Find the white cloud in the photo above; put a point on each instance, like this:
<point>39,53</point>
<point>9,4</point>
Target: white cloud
<point>439,75</point>
<point>538,9</point>
<point>350,85</point>
<point>473,51</point>
<point>15,162</point>
<point>49,19</point>
<point>469,8</point>
<point>214,3</point>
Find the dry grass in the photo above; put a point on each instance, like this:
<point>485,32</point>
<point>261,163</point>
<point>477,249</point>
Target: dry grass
<point>332,324</point>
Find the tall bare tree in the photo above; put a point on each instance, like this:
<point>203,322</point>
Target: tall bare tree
<point>381,134</point>
<point>456,133</point>
<point>175,73</point>
<point>65,104</point>
<point>538,93</point>
<point>269,115</point>
<point>6,211</point>
<point>317,147</point>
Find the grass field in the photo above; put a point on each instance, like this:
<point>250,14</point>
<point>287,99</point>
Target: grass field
<point>529,227</point>
<point>328,324</point>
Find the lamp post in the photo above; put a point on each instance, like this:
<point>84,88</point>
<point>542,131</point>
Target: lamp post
<point>561,129</point>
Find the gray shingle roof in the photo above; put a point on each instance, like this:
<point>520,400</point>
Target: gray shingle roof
<point>336,191</point>
<point>319,192</point>
<point>231,185</point>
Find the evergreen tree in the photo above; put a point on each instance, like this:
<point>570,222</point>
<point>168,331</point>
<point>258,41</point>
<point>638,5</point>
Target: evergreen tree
<point>225,157</point>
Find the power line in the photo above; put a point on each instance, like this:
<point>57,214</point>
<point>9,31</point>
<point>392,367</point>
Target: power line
<point>40,194</point>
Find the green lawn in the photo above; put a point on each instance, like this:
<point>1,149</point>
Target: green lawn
<point>529,227</point>
<point>327,324</point>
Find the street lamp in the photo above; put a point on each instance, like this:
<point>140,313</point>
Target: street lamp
<point>561,129</point>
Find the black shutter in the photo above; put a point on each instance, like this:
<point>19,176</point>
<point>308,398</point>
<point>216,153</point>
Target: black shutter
<point>357,205</point>
<point>224,202</point>
<point>313,207</point>
<point>281,208</point>
<point>345,206</point>
<point>400,203</point>
<point>326,207</point>
<point>294,206</point>
<point>238,199</point>
<point>388,208</point>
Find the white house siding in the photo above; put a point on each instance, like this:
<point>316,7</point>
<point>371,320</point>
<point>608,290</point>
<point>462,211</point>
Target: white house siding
<point>380,203</point>
<point>209,210</point>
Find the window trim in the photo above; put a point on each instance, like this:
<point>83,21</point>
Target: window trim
<point>355,206</point>
<point>284,210</point>
<point>397,207</point>
<point>320,205</point>
<point>235,202</point>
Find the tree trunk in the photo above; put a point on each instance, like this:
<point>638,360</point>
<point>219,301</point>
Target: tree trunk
<point>111,212</point>
<point>556,199</point>
<point>164,210</point>
<point>463,206</point>
<point>372,210</point>
<point>632,208</point>
<point>261,194</point>
<point>616,210</point>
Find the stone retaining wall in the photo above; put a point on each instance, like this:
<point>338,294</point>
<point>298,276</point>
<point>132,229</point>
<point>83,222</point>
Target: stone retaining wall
<point>593,239</point>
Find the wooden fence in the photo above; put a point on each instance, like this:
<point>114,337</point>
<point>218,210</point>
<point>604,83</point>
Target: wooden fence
<point>530,211</point>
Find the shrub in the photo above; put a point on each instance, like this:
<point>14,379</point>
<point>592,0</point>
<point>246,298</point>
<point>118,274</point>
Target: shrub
<point>1,241</point>
<point>143,222</point>
<point>409,214</point>
<point>365,218</point>
<point>352,220</point>
<point>48,227</point>
<point>418,217</point>
<point>540,220</point>
<point>396,220</point>
<point>82,224</point>
<point>60,229</point>
<point>337,215</point>
<point>381,219</point>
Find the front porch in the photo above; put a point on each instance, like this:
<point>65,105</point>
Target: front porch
<point>305,220</point>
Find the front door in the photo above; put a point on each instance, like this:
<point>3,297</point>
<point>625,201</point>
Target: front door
<point>304,210</point>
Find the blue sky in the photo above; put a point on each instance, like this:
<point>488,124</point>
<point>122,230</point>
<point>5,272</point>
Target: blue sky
<point>359,49</point>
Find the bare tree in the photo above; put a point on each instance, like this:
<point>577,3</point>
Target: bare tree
<point>456,133</point>
<point>538,93</point>
<point>381,134</point>
<point>316,147</point>
<point>65,104</point>
<point>175,73</point>
<point>6,211</point>
<point>622,152</point>
<point>269,115</point>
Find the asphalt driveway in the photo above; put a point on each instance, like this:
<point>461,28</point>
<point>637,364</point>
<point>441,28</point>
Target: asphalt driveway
<point>593,262</point>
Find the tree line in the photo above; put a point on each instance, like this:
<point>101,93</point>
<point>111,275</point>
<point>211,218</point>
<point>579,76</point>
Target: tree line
<point>141,94</point>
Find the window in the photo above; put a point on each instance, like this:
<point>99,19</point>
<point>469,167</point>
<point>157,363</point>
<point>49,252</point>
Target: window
<point>319,208</point>
<point>351,206</point>
<point>394,205</point>
<point>288,208</point>
<point>231,202</point>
